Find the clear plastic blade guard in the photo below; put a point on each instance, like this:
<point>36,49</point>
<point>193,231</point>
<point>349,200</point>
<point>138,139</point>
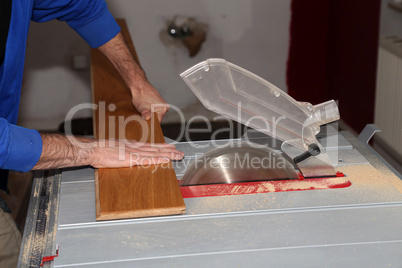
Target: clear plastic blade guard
<point>234,92</point>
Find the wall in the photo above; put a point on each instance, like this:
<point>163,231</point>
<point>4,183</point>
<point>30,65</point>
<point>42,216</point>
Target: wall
<point>391,20</point>
<point>50,85</point>
<point>390,25</point>
<point>253,34</point>
<point>333,55</point>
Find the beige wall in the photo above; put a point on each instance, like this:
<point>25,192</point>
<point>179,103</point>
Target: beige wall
<point>391,20</point>
<point>253,34</point>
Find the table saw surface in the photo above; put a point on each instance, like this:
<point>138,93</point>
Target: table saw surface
<point>357,226</point>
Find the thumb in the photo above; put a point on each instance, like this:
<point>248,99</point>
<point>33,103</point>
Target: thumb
<point>146,114</point>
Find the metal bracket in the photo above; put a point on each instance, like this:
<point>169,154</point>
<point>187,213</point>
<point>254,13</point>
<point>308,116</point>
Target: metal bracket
<point>365,136</point>
<point>368,132</point>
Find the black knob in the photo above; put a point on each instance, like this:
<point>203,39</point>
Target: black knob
<point>313,150</point>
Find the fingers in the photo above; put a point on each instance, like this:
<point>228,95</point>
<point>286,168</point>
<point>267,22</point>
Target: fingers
<point>146,114</point>
<point>166,153</point>
<point>161,113</point>
<point>141,160</point>
<point>113,158</point>
<point>152,158</point>
<point>146,161</point>
<point>148,146</point>
<point>155,150</point>
<point>175,155</point>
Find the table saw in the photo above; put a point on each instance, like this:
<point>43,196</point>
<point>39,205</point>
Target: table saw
<point>334,203</point>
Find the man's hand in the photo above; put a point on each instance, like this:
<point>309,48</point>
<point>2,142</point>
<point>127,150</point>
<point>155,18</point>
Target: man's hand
<point>62,151</point>
<point>147,101</point>
<point>133,153</point>
<point>146,98</point>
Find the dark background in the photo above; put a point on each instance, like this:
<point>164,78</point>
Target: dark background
<point>333,55</point>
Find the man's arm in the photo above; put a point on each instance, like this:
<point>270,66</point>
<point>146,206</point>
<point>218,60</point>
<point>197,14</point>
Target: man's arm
<point>143,93</point>
<point>58,151</point>
<point>93,21</point>
<point>24,149</point>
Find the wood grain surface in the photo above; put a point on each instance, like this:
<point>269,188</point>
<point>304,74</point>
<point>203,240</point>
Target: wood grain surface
<point>140,191</point>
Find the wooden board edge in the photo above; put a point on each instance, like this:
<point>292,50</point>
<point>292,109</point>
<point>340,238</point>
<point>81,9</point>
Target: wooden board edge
<point>94,119</point>
<point>97,203</point>
<point>94,111</point>
<point>140,213</point>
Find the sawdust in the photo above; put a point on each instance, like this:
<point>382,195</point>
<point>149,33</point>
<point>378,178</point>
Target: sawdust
<point>302,184</point>
<point>368,185</point>
<point>265,187</point>
<point>26,253</point>
<point>391,178</point>
<point>269,187</point>
<point>28,238</point>
<point>249,189</point>
<point>372,181</point>
<point>381,175</point>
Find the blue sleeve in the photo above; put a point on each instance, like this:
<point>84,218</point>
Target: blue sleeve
<point>89,18</point>
<point>20,148</point>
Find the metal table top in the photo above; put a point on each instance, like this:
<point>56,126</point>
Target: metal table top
<point>358,226</point>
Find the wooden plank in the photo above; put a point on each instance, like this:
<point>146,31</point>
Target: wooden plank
<point>140,191</point>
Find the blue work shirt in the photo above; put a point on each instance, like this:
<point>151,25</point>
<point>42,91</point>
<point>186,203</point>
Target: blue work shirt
<point>21,148</point>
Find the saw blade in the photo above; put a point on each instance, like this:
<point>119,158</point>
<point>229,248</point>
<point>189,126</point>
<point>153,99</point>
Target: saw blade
<point>239,162</point>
